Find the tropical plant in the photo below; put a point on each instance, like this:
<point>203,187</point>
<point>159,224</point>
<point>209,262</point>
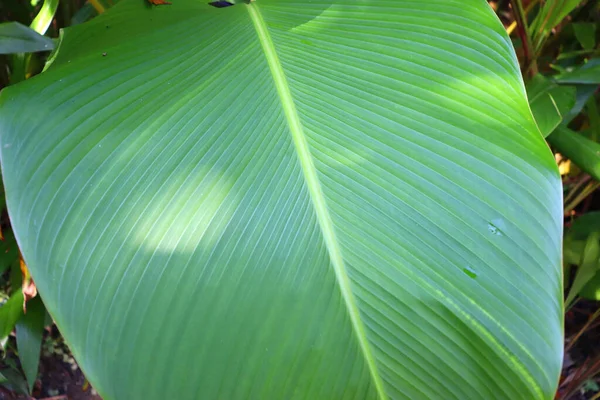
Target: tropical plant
<point>288,199</point>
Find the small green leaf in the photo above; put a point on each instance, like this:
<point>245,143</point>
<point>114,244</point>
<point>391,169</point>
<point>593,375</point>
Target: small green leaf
<point>17,38</point>
<point>13,380</point>
<point>588,267</point>
<point>29,339</point>
<point>9,251</point>
<point>574,245</point>
<point>585,32</point>
<point>579,149</point>
<point>549,102</point>
<point>10,312</point>
<point>591,290</point>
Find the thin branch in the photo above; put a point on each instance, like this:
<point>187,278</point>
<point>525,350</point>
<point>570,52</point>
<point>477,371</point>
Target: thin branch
<point>583,329</point>
<point>530,66</point>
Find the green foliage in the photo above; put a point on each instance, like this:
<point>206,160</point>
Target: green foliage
<point>281,199</point>
<point>588,74</point>
<point>549,102</point>
<point>585,32</point>
<point>581,248</point>
<point>29,331</point>
<point>582,151</point>
<point>552,13</point>
<point>17,38</point>
<point>10,312</point>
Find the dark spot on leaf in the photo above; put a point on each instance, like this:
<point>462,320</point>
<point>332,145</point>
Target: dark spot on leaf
<point>470,272</point>
<point>220,4</point>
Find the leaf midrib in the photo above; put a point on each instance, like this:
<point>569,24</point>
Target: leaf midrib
<point>314,187</point>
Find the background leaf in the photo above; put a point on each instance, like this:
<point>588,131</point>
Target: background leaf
<point>588,73</point>
<point>589,265</point>
<point>586,34</point>
<point>581,150</point>
<point>10,312</point>
<point>17,38</point>
<point>551,13</point>
<point>549,102</point>
<point>580,232</point>
<point>30,329</point>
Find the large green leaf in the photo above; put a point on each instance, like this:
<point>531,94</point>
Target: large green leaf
<point>322,200</point>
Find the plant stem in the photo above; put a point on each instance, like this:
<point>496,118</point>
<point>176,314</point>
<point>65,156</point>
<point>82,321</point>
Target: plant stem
<point>512,26</point>
<point>589,189</point>
<point>588,370</point>
<point>577,186</point>
<point>583,329</point>
<point>530,66</point>
<point>97,6</point>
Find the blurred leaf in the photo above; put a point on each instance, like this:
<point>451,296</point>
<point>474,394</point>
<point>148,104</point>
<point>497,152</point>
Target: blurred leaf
<point>17,38</point>
<point>584,226</point>
<point>588,73</point>
<point>549,102</point>
<point>585,32</point>
<point>572,250</point>
<point>9,251</point>
<point>14,381</point>
<point>85,13</point>
<point>16,275</point>
<point>30,329</point>
<point>10,312</point>
<point>551,13</point>
<point>576,237</point>
<point>588,266</point>
<point>591,290</point>
<point>42,20</point>
<point>594,119</point>
<point>582,96</point>
<point>579,149</point>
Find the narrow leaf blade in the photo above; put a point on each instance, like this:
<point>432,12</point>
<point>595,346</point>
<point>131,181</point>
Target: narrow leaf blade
<point>18,38</point>
<point>30,329</point>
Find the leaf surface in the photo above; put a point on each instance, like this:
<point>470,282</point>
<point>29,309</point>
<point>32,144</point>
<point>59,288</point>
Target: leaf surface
<point>285,199</point>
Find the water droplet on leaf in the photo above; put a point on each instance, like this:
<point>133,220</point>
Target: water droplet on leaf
<point>494,229</point>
